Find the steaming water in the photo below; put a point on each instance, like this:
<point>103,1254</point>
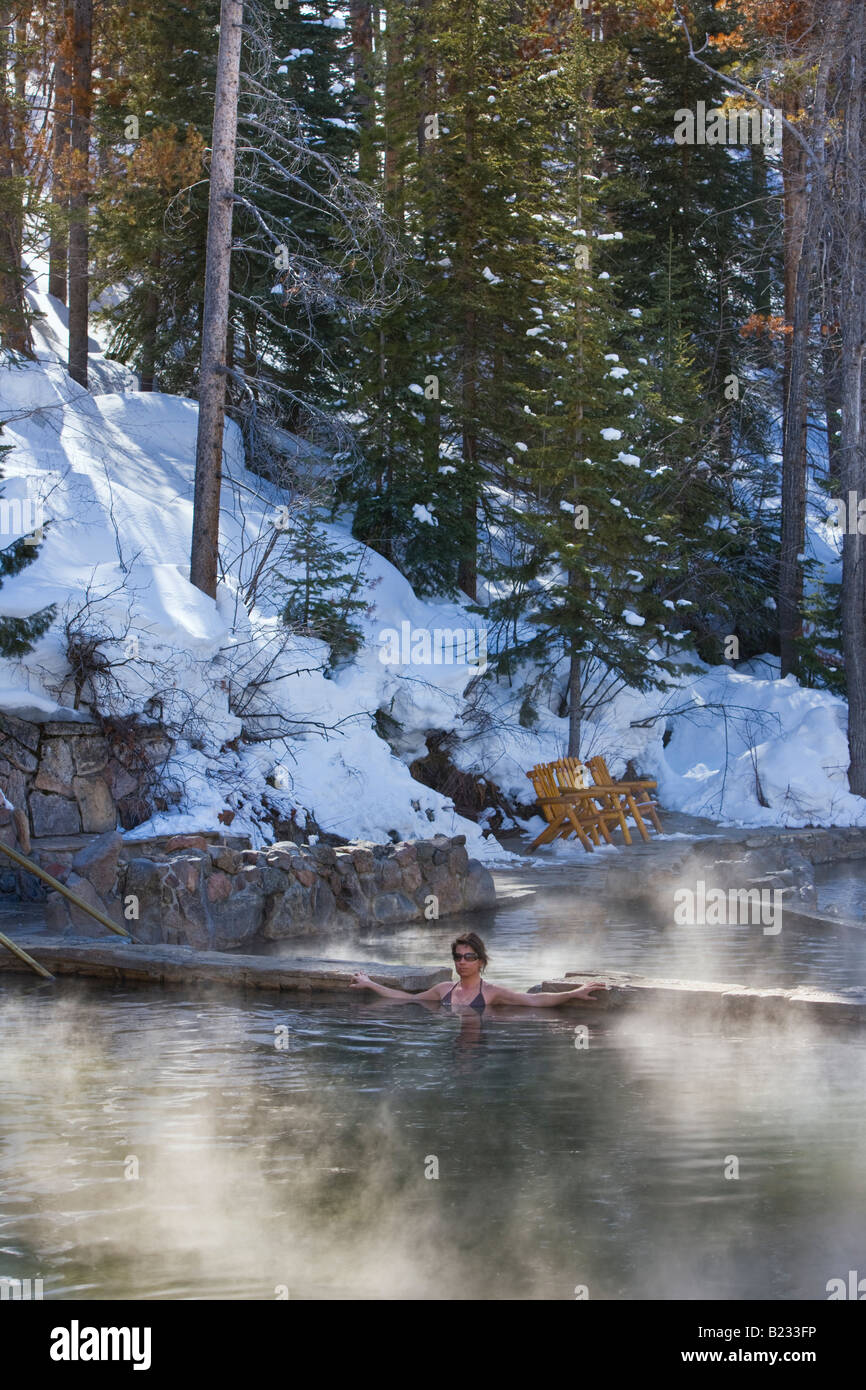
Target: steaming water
<point>843,886</point>
<point>301,1171</point>
<point>542,936</point>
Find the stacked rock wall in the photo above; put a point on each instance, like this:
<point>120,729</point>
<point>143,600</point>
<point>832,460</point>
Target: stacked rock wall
<point>70,778</point>
<point>217,897</point>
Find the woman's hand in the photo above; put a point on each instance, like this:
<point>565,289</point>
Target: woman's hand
<point>361,981</point>
<point>585,991</point>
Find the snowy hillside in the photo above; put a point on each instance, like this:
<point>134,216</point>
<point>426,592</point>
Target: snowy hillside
<point>258,716</point>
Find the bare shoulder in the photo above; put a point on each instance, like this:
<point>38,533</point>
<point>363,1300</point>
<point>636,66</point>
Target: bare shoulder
<point>436,991</point>
<point>493,994</point>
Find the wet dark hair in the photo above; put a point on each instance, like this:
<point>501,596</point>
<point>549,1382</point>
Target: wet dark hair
<point>474,942</point>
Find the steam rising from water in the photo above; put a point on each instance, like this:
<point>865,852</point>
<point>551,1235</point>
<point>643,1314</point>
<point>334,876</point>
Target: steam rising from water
<point>304,1169</point>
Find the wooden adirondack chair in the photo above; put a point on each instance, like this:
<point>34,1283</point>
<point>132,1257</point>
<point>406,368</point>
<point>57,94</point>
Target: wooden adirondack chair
<point>573,809</point>
<point>556,811</point>
<point>571,772</point>
<point>632,797</point>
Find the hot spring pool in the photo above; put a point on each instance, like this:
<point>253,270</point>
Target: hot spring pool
<point>158,1145</point>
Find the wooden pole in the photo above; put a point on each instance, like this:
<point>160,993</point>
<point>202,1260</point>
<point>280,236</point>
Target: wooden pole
<point>22,955</point>
<point>67,892</point>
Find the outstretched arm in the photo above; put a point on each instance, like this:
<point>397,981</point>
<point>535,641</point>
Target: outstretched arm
<point>362,981</point>
<point>546,1001</point>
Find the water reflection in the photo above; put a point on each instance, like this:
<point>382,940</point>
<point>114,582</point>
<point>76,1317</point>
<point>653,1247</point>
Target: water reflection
<point>303,1166</point>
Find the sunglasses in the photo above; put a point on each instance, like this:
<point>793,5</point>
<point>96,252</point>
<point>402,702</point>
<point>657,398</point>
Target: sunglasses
<point>468,955</point>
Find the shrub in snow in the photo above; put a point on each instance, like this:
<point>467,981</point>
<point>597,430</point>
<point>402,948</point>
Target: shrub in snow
<point>323,591</point>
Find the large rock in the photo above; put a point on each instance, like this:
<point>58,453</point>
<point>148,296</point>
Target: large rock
<point>82,923</point>
<point>224,858</point>
<point>237,919</point>
<point>282,857</point>
<point>394,907</point>
<point>479,890</point>
<point>122,782</point>
<point>56,769</point>
<point>324,906</point>
<point>143,882</point>
<point>351,898</point>
<point>289,914</point>
<point>194,927</point>
<point>411,877</point>
<point>98,811</point>
<point>54,815</point>
<point>218,888</point>
<point>179,842</point>
<point>391,875</point>
<point>57,917</point>
<point>449,895</point>
<point>91,754</point>
<point>20,742</point>
<point>458,860</point>
<point>13,784</point>
<point>98,861</point>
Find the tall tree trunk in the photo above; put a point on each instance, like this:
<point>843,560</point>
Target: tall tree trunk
<point>764,232</point>
<point>794,466</point>
<point>852,307</point>
<point>467,576</point>
<point>395,113</point>
<point>574,706</point>
<point>831,374</point>
<point>212,379</point>
<point>794,387</point>
<point>150,326</point>
<point>427,80</point>
<point>58,245</point>
<point>361,20</point>
<point>79,230</point>
<point>14,325</point>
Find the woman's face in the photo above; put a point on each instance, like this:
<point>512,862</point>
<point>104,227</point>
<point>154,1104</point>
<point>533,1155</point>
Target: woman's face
<point>466,962</point>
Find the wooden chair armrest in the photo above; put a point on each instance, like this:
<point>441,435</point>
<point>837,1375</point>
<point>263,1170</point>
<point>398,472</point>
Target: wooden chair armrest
<point>614,786</point>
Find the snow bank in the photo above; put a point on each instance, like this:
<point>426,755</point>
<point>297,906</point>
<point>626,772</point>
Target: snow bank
<point>738,748</point>
<point>113,476</point>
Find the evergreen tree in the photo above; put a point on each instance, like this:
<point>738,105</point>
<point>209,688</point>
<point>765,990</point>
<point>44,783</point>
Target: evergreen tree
<point>322,591</point>
<point>442,381</point>
<point>595,540</point>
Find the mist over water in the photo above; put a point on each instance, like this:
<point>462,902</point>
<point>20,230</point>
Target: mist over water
<point>550,932</point>
<point>303,1171</point>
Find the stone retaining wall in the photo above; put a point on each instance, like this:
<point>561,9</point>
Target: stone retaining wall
<point>758,859</point>
<point>215,897</point>
<point>69,778</point>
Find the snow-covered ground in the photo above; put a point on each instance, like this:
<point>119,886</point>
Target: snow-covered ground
<point>113,472</point>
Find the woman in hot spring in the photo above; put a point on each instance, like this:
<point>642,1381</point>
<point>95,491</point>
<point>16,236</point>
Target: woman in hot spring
<point>471,992</point>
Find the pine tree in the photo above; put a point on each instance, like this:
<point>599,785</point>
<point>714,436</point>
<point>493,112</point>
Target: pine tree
<point>321,599</point>
<point>442,380</point>
<point>595,542</point>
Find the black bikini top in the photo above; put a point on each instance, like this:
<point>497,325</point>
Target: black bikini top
<point>477,1002</point>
